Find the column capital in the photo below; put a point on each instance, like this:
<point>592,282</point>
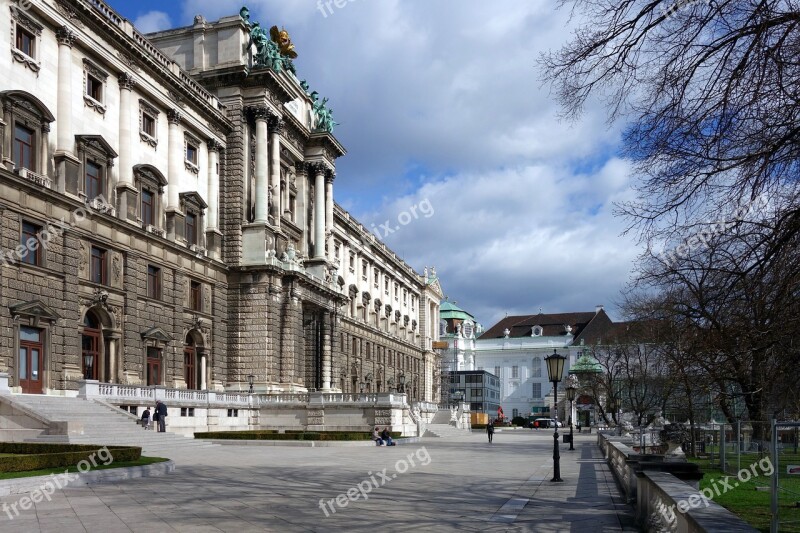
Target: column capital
<point>126,81</point>
<point>213,145</point>
<point>318,167</point>
<point>66,36</point>
<point>259,112</point>
<point>301,168</point>
<point>330,175</point>
<point>276,124</point>
<point>174,116</point>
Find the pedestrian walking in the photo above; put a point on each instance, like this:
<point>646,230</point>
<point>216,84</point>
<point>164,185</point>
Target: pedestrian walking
<point>161,412</point>
<point>490,431</point>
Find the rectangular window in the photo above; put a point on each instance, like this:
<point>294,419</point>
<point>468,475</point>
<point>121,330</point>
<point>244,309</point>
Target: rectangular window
<point>29,240</point>
<point>196,296</point>
<point>98,266</point>
<point>233,413</point>
<point>515,372</point>
<point>25,41</point>
<point>536,391</point>
<point>497,371</point>
<point>477,393</point>
<point>191,153</point>
<point>23,148</point>
<point>149,124</point>
<point>154,282</point>
<point>31,354</point>
<point>191,228</point>
<point>94,88</point>
<point>148,218</point>
<point>94,181</point>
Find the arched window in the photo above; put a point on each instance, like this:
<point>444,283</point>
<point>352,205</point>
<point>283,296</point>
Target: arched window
<point>468,328</point>
<point>26,132</point>
<point>536,331</point>
<point>190,363</point>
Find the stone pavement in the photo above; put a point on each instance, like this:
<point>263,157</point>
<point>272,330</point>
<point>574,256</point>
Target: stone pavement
<point>436,485</point>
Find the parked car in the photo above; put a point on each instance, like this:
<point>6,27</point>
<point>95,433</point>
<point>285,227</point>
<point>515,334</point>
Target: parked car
<point>542,423</point>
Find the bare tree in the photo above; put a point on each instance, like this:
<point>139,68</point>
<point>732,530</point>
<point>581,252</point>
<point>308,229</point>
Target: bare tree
<point>711,91</point>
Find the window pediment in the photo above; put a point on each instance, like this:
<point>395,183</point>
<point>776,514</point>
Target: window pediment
<point>24,100</point>
<point>151,173</point>
<point>192,199</point>
<point>157,334</point>
<point>34,308</point>
<point>96,143</point>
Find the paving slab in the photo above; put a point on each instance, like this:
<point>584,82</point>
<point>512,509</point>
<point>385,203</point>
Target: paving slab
<point>463,484</point>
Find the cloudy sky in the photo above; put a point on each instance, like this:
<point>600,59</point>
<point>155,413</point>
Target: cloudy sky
<point>444,115</point>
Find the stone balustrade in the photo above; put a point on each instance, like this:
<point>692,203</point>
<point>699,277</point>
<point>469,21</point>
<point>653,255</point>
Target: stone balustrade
<point>665,493</point>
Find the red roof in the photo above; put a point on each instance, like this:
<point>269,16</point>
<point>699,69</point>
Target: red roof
<point>589,326</point>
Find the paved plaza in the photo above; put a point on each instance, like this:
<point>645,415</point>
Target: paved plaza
<point>435,485</point>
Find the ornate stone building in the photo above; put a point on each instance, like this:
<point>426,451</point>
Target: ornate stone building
<point>167,218</point>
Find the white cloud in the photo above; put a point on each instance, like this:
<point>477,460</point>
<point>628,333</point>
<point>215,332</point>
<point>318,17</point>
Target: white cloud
<point>152,21</point>
<point>443,101</point>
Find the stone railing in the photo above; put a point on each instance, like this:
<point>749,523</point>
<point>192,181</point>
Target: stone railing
<point>427,407</point>
<point>122,394</point>
<point>665,493</point>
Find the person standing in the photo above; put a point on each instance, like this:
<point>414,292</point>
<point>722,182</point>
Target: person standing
<point>146,418</point>
<point>161,411</point>
<point>490,431</point>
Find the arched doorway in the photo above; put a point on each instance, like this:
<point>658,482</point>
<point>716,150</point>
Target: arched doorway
<point>91,346</point>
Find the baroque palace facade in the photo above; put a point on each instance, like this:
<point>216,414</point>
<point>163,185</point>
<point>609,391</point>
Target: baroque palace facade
<point>167,218</point>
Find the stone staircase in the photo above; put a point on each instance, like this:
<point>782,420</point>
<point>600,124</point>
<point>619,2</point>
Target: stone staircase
<point>441,427</point>
<point>104,424</point>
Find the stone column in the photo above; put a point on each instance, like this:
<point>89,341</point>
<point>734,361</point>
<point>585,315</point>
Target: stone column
<point>112,358</point>
<point>175,160</point>
<point>326,350</point>
<point>319,211</point>
<point>44,151</point>
<point>302,203</point>
<point>330,176</point>
<point>203,370</point>
<point>213,185</point>
<point>276,126</point>
<point>125,190</point>
<point>287,196</point>
<point>262,185</point>
<point>64,140</point>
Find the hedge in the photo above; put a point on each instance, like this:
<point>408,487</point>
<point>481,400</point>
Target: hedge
<point>289,435</point>
<point>38,456</point>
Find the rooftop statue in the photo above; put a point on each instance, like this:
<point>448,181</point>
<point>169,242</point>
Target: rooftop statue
<point>274,50</point>
<point>323,115</point>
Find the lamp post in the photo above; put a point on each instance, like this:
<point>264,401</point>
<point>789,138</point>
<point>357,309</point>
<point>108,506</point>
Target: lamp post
<point>361,386</point>
<point>250,379</point>
<point>571,390</point>
<point>457,397</point>
<point>401,379</point>
<point>555,371</point>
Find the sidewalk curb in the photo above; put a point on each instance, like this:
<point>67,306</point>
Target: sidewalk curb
<point>308,443</point>
<point>29,484</point>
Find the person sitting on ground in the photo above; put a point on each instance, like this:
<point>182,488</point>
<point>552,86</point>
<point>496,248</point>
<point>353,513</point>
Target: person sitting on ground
<point>376,436</point>
<point>387,437</point>
<point>146,418</point>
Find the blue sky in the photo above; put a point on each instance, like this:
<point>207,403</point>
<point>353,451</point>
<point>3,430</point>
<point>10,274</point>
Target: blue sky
<point>441,102</point>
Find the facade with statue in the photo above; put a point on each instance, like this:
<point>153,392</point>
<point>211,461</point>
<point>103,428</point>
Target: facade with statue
<point>168,220</point>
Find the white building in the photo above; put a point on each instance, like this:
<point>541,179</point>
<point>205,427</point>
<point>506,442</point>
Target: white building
<point>515,349</point>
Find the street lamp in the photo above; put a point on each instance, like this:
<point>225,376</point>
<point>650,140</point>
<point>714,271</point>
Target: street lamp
<point>457,397</point>
<point>571,390</point>
<point>402,383</point>
<point>361,385</point>
<point>250,379</point>
<point>555,371</point>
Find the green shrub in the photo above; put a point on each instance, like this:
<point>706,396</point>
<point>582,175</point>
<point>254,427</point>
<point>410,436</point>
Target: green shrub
<point>37,456</point>
<point>519,421</point>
